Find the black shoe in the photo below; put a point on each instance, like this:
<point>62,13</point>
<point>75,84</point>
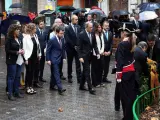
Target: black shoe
<point>83,88</point>
<point>70,81</point>
<point>10,97</point>
<point>42,80</point>
<point>92,91</point>
<point>106,80</point>
<point>18,95</point>
<point>61,91</point>
<point>37,85</point>
<point>53,88</point>
<point>63,78</point>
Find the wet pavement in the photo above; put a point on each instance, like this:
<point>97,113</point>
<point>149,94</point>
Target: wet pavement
<point>76,105</point>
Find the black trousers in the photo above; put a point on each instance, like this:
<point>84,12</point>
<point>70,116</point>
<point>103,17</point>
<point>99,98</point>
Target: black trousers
<point>127,94</point>
<point>106,62</point>
<point>86,74</point>
<point>117,97</point>
<point>31,72</point>
<point>41,65</point>
<point>70,55</point>
<point>96,70</point>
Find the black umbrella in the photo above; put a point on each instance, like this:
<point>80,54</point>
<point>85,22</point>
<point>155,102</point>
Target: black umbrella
<point>79,10</point>
<point>6,23</point>
<point>67,9</point>
<point>120,12</point>
<point>16,5</point>
<point>44,11</point>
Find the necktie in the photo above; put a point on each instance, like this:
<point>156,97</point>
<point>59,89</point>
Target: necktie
<point>150,53</point>
<point>106,35</point>
<point>75,29</point>
<point>41,32</point>
<point>60,42</point>
<point>90,38</point>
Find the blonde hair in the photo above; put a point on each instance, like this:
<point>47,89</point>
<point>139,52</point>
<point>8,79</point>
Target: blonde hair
<point>30,27</point>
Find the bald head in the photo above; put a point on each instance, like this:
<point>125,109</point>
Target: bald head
<point>58,21</point>
<point>74,19</point>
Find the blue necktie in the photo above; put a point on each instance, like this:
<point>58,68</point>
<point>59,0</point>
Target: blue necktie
<point>106,33</point>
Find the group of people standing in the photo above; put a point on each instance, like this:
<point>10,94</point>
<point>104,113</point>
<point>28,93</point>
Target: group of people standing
<point>91,47</point>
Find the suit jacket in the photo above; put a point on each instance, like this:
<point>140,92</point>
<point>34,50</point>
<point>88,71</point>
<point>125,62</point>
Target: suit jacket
<point>85,46</point>
<point>109,42</point>
<point>42,38</point>
<point>11,48</point>
<point>55,52</point>
<point>71,38</point>
<point>140,61</point>
<point>156,51</point>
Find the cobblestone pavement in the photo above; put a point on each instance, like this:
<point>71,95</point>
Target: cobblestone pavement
<point>76,105</point>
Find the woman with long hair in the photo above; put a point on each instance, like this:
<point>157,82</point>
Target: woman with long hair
<point>97,64</point>
<point>125,71</point>
<point>32,56</point>
<point>14,60</point>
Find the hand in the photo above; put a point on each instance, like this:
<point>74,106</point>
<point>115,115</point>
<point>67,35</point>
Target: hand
<point>22,51</point>
<point>49,62</point>
<point>109,53</point>
<point>105,53</point>
<point>26,62</point>
<point>119,76</point>
<point>98,56</point>
<point>81,60</point>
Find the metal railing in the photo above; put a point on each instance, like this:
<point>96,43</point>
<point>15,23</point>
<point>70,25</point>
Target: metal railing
<point>142,102</point>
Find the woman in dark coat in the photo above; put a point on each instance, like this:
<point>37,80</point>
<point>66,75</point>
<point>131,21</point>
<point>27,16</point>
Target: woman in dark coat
<point>125,72</point>
<point>14,60</point>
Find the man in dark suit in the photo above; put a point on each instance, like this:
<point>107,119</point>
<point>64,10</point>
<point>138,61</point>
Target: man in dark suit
<point>42,37</point>
<point>154,50</point>
<point>137,26</point>
<point>55,52</point>
<point>85,55</point>
<point>140,64</point>
<point>108,39</point>
<point>71,37</point>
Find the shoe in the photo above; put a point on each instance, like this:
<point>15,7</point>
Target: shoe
<point>70,81</point>
<point>37,85</point>
<point>61,91</point>
<point>18,95</point>
<point>102,85</point>
<point>33,91</point>
<point>83,88</point>
<point>42,80</point>
<point>29,91</point>
<point>92,91</point>
<point>97,86</point>
<point>106,80</point>
<point>63,78</point>
<point>53,88</point>
<point>10,97</point>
